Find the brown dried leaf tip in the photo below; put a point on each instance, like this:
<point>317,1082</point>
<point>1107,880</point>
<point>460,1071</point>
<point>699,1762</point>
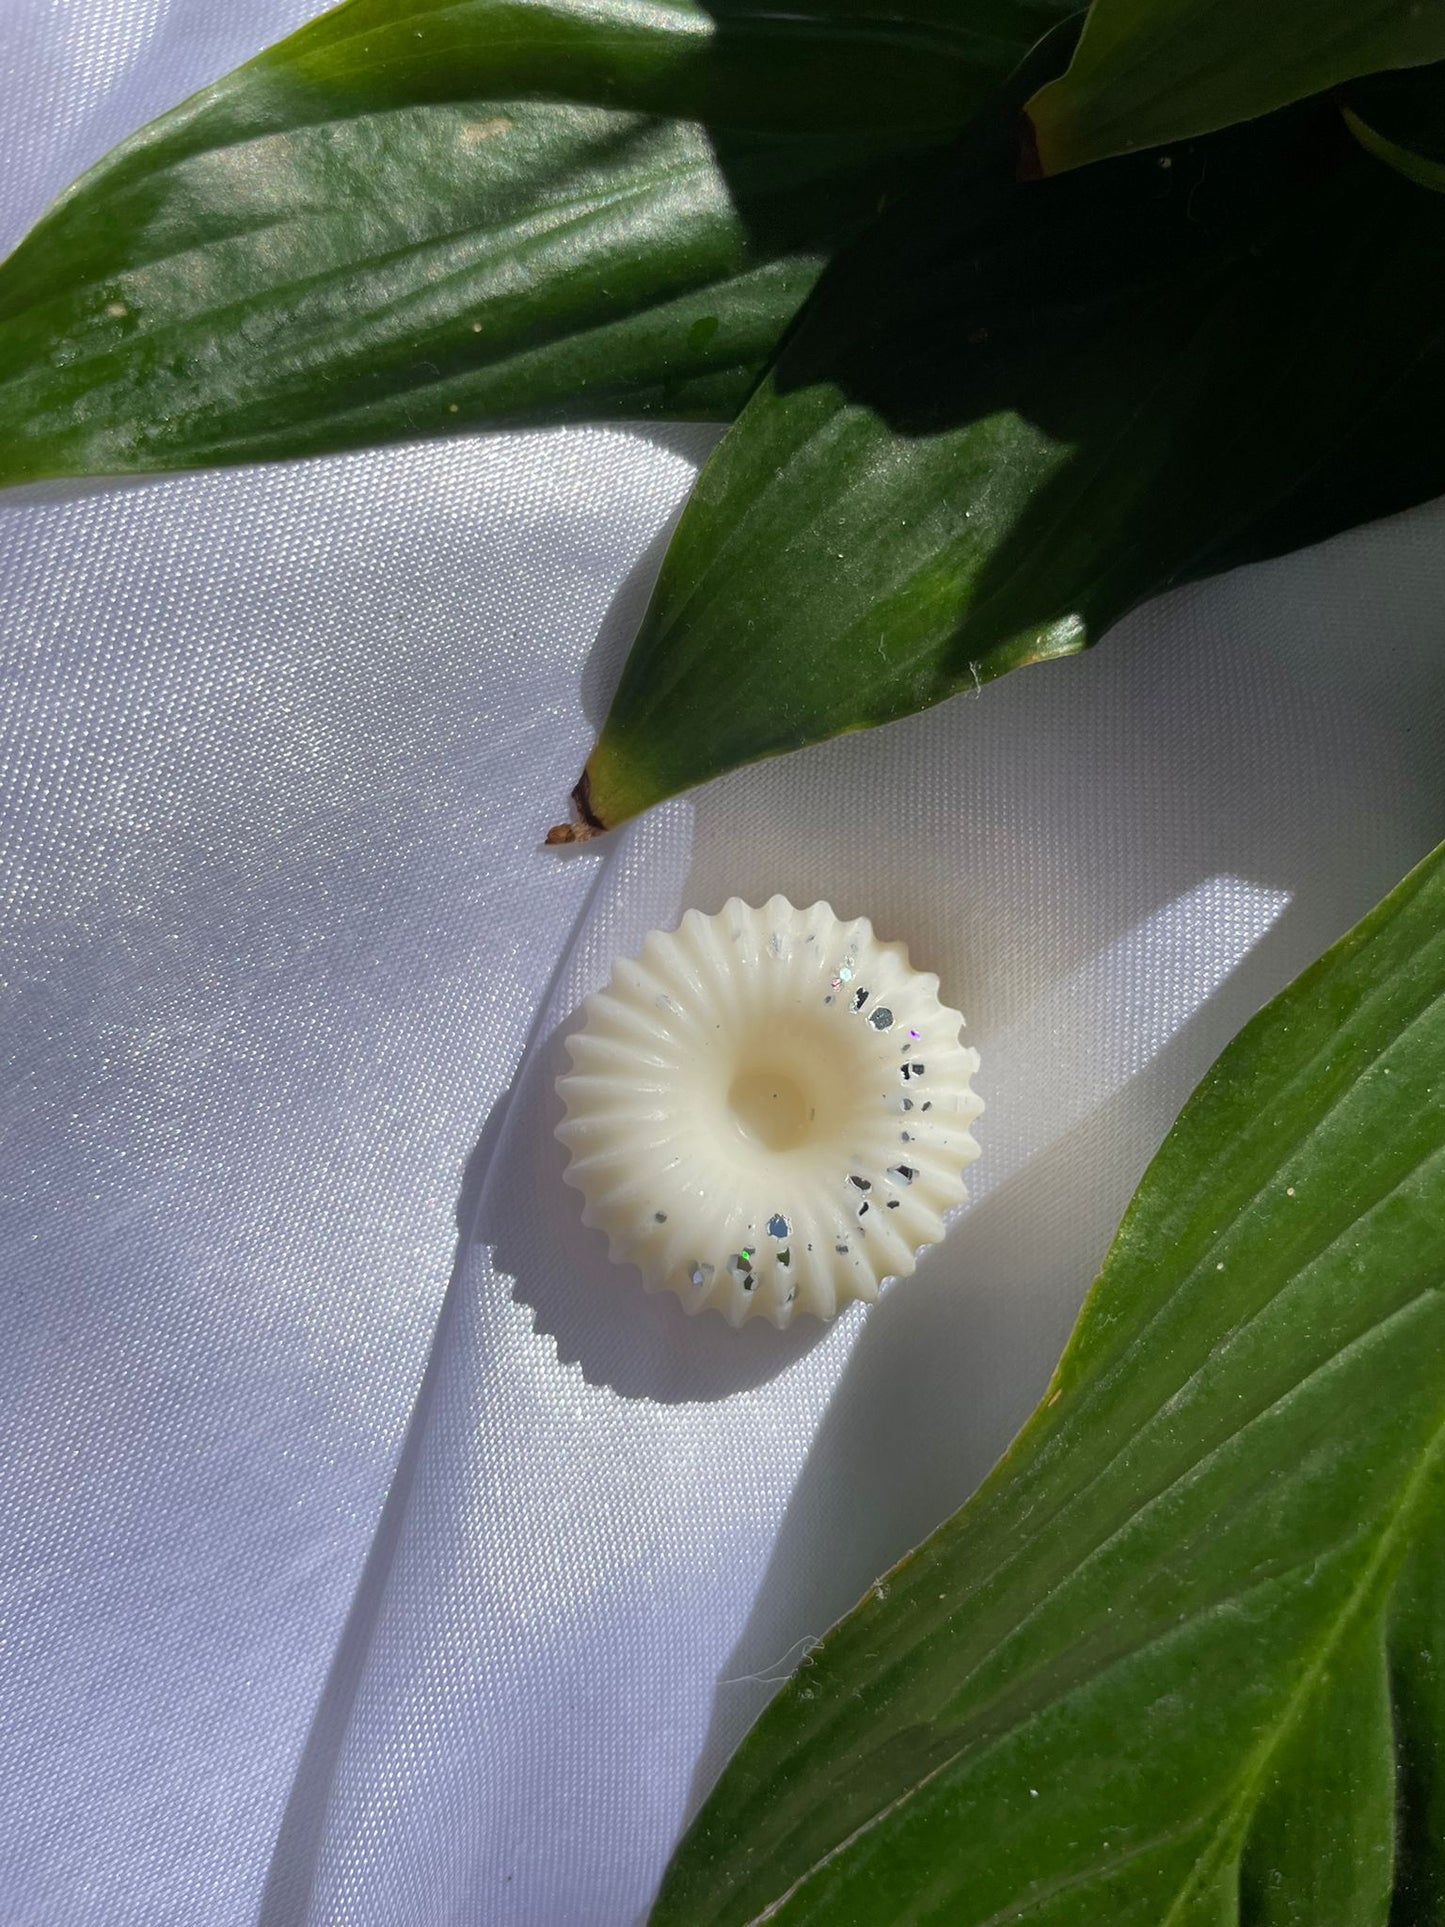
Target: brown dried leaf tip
<point>585,824</point>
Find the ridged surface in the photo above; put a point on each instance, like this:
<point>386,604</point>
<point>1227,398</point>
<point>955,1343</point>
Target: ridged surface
<point>768,1111</point>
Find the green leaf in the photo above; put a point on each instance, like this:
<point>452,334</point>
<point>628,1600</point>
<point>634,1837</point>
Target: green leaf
<point>415,214</point>
<point>1013,412</point>
<point>1400,119</point>
<point>1164,1669</point>
<point>1152,71</point>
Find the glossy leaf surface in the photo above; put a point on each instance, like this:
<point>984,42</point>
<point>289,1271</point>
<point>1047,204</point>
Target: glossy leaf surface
<point>1148,72</point>
<point>1015,411</point>
<point>414,214</point>
<point>1179,1660</point>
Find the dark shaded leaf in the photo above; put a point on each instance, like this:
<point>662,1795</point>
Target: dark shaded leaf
<point>1400,119</point>
<point>1165,1667</point>
<point>1012,412</point>
<point>1149,72</point>
<point>414,214</point>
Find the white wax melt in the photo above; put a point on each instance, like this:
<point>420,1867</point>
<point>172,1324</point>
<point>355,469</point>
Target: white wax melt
<point>768,1111</point>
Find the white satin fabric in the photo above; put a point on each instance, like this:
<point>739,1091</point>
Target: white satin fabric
<point>358,1576</point>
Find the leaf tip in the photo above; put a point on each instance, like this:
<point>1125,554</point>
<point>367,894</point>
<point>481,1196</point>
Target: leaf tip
<point>1044,147</point>
<point>585,822</point>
